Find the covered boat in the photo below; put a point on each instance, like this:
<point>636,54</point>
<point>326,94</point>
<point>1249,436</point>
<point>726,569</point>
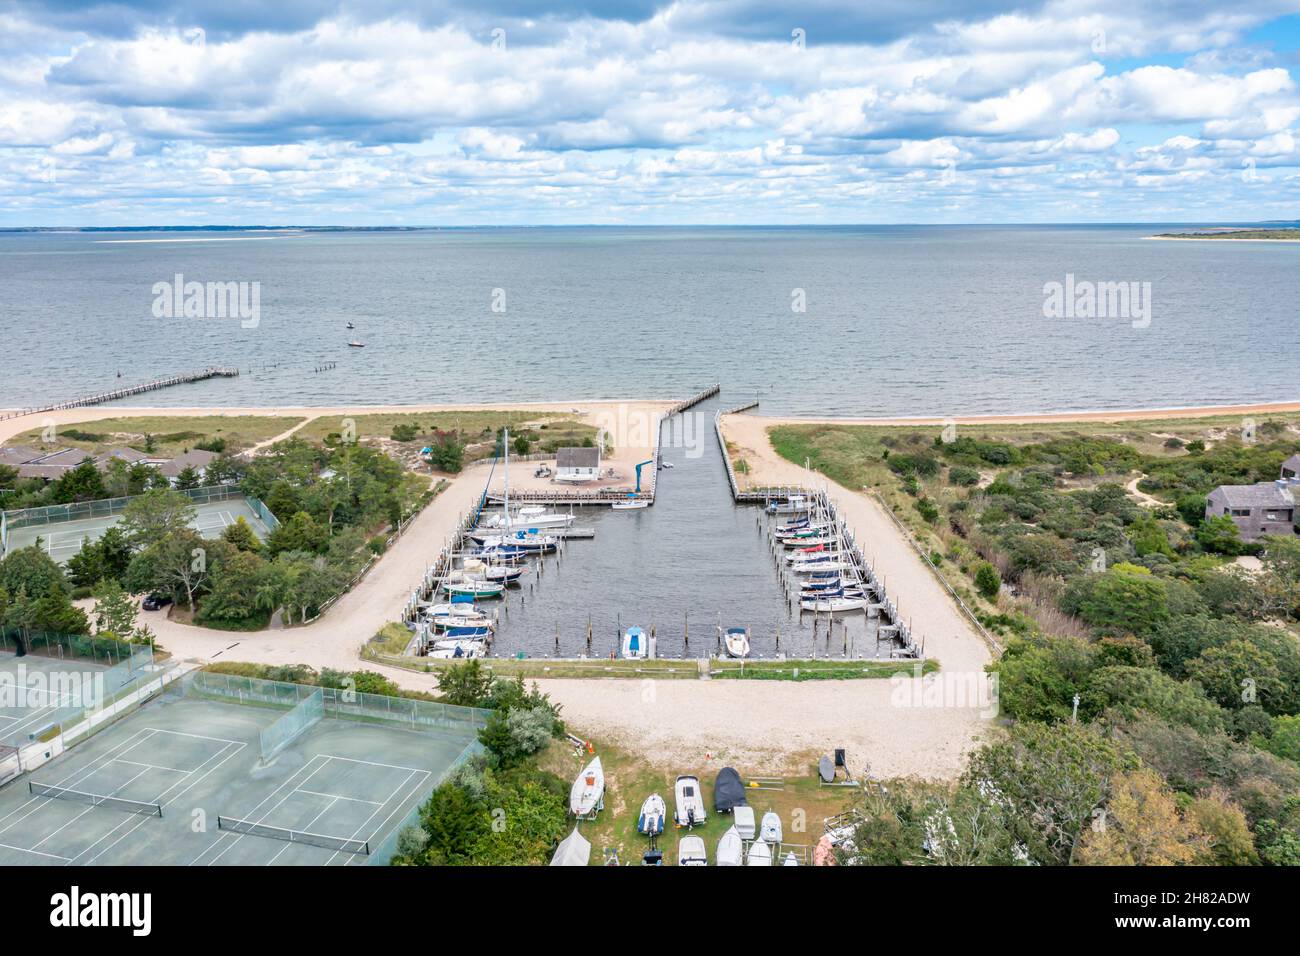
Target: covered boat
<point>760,854</point>
<point>688,810</point>
<point>574,850</point>
<point>744,817</point>
<point>728,791</point>
<point>588,790</point>
<point>731,849</point>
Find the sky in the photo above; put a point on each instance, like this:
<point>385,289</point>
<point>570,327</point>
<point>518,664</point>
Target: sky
<point>538,112</point>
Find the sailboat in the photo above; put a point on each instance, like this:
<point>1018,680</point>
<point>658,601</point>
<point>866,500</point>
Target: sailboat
<point>528,517</point>
<point>630,503</point>
<point>834,602</point>
<point>588,791</point>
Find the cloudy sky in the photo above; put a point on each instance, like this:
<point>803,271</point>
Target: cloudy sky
<point>696,111</point>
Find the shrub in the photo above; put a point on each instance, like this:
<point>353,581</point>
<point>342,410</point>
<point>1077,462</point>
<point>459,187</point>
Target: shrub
<point>962,476</point>
<point>987,580</point>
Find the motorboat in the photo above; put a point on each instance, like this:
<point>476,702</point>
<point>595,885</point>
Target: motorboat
<point>794,505</point>
<point>770,828</point>
<point>354,344</point>
<point>588,792</point>
<point>351,326</point>
<point>630,503</point>
<point>691,852</point>
<point>636,644</point>
<point>731,849</point>
<point>464,650</point>
<point>736,640</point>
<point>760,854</point>
<point>654,814</point>
<point>688,802</point>
<point>744,817</point>
<point>833,603</point>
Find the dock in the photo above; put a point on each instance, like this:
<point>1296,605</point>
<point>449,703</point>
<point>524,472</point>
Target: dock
<point>184,378</point>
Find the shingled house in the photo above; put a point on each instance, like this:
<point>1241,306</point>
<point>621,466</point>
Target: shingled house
<point>1266,507</point>
<point>1291,467</point>
<point>577,464</point>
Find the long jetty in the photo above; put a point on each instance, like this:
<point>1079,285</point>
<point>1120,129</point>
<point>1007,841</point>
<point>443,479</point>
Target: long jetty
<point>184,378</point>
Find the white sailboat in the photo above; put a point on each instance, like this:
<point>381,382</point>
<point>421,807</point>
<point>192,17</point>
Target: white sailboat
<point>588,791</point>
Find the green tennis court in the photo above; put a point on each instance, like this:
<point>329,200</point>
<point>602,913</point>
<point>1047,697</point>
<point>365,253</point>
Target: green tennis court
<point>62,539</point>
<point>182,782</point>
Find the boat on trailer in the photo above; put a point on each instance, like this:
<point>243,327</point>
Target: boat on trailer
<point>692,852</point>
<point>688,803</point>
<point>588,791</point>
<point>731,849</point>
<point>736,641</point>
<point>760,854</point>
<point>654,814</point>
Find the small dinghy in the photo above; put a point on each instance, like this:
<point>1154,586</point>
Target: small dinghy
<point>760,854</point>
<point>770,828</point>
<point>588,790</point>
<point>654,812</point>
<point>731,849</point>
<point>356,345</point>
<point>736,640</point>
<point>691,852</point>
<point>688,809</point>
<point>744,817</point>
<point>826,769</point>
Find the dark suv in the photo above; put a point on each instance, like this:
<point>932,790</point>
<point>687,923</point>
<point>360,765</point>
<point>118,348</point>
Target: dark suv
<point>155,602</point>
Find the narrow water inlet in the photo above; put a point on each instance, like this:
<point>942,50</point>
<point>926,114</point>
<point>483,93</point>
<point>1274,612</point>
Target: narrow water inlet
<point>690,564</point>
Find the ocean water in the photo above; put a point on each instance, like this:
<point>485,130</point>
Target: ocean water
<point>899,320</point>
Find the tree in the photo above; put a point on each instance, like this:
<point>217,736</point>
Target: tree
<point>187,478</point>
<point>53,611</point>
<point>1141,826</point>
<point>1229,841</point>
<point>1050,780</point>
<point>1038,678</point>
<point>1219,535</point>
<point>85,569</point>
<point>446,452</point>
<point>987,580</point>
<point>1130,689</point>
<point>465,685</point>
<point>149,518</point>
<point>1149,538</point>
<point>299,533</point>
<point>242,536</point>
<point>31,570</point>
<point>1239,673</point>
<point>177,562</point>
<point>232,592</point>
<point>114,611</point>
<point>512,736</point>
<point>82,483</point>
<point>1123,600</point>
<point>1284,739</point>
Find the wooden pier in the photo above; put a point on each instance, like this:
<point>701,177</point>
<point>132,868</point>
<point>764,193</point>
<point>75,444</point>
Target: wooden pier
<point>185,378</point>
<point>692,401</point>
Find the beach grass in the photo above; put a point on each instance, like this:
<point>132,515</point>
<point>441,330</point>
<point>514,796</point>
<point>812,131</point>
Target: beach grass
<point>172,434</point>
<point>470,422</point>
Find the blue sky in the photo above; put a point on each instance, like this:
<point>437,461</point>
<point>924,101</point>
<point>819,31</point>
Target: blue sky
<point>695,111</point>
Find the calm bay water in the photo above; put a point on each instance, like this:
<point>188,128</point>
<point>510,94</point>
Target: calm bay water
<point>900,320</point>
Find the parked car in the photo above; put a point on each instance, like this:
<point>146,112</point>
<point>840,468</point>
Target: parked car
<point>155,602</point>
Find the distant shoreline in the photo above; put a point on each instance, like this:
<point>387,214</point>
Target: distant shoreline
<point>1222,238</point>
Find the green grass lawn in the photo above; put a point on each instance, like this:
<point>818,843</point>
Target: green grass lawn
<point>469,422</point>
<point>172,435</point>
<point>803,804</point>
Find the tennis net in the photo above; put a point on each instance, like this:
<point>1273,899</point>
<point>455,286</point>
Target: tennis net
<point>235,825</point>
<point>95,799</point>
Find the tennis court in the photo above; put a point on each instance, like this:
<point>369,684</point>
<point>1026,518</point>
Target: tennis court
<point>62,539</point>
<point>182,782</point>
<point>38,693</point>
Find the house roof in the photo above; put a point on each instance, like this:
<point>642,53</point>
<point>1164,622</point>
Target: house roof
<point>1292,464</point>
<point>196,458</point>
<point>577,458</point>
<point>18,455</point>
<point>48,472</point>
<point>128,455</point>
<point>1264,494</point>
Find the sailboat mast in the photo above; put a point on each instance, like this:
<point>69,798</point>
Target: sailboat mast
<point>505,450</point>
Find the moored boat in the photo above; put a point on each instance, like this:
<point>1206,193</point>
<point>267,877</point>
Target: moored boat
<point>736,640</point>
<point>636,644</point>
